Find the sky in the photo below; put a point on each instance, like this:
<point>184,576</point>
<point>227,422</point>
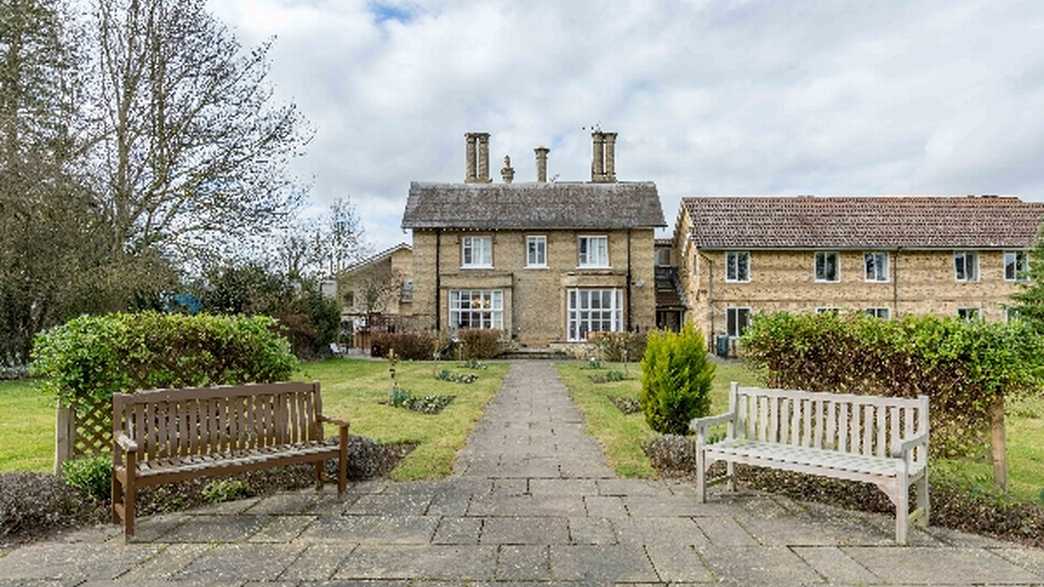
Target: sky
<point>743,97</point>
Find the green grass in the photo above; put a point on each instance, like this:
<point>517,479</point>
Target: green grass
<point>27,422</point>
<point>622,435</point>
<point>351,390</point>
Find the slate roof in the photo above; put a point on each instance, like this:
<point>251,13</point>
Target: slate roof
<point>377,257</point>
<point>767,222</point>
<point>561,205</point>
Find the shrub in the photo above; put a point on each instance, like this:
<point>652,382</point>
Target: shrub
<point>447,375</point>
<point>479,343</point>
<point>610,376</point>
<point>413,346</point>
<point>676,380</point>
<point>473,364</point>
<point>91,357</point>
<point>593,363</point>
<point>220,490</point>
<point>617,347</point>
<point>428,404</point>
<point>964,367</point>
<point>35,503</point>
<point>91,475</point>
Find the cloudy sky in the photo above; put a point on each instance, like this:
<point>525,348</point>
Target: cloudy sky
<point>744,97</point>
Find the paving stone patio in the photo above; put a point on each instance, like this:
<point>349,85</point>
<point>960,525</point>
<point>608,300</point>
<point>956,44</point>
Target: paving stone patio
<point>532,502</point>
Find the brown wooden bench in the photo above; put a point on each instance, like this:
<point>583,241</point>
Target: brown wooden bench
<point>170,435</point>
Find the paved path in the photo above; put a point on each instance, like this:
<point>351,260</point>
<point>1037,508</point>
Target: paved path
<point>532,501</point>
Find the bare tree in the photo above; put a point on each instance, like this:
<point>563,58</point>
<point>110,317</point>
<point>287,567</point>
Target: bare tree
<point>344,240</point>
<point>379,286</point>
<point>190,150</point>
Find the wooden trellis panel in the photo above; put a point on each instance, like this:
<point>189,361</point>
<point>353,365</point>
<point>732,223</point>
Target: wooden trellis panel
<point>83,429</point>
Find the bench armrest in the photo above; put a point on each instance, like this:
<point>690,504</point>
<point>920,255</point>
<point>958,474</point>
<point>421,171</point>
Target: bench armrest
<point>334,421</point>
<point>699,424</point>
<point>125,442</point>
<point>909,444</point>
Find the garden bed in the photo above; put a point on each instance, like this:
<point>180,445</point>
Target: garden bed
<point>35,505</point>
<point>955,504</point>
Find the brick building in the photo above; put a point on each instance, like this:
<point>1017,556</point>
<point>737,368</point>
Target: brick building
<point>885,255</point>
<point>547,262</point>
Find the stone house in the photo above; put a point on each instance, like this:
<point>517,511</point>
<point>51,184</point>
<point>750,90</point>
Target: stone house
<point>380,285</point>
<point>547,262</point>
<point>883,255</point>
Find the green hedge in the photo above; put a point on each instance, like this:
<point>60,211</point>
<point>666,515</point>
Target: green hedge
<point>962,366</point>
<point>677,376</point>
<point>91,357</point>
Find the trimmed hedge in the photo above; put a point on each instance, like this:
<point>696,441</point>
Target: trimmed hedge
<point>964,367</point>
<point>477,343</point>
<point>676,380</point>
<point>92,357</point>
<point>409,346</point>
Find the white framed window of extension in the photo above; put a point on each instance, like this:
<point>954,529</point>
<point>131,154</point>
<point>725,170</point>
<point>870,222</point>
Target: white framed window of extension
<point>476,308</point>
<point>966,266</point>
<point>1016,266</point>
<point>876,264</point>
<point>737,266</point>
<point>593,252</point>
<point>828,267</point>
<point>882,313</point>
<point>476,252</point>
<point>594,310</point>
<point>969,314</point>
<point>737,319</point>
<point>536,252</point>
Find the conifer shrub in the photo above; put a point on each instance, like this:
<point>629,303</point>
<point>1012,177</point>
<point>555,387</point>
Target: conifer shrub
<point>677,375</point>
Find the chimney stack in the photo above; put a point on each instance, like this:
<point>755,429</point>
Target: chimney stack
<point>541,163</point>
<point>476,153</point>
<point>603,157</point>
<point>507,172</point>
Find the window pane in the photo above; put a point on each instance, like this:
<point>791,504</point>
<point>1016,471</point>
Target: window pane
<point>743,266</point>
<point>731,319</point>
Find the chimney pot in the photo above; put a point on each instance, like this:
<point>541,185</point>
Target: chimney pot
<point>470,150</point>
<point>597,156</point>
<point>609,168</point>
<point>507,172</point>
<point>541,163</point>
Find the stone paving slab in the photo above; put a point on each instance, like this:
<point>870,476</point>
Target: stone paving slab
<point>531,502</point>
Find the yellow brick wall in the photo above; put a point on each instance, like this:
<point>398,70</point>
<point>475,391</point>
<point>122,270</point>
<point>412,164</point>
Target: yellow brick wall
<point>534,298</point>
<point>785,280</point>
<point>399,264</point>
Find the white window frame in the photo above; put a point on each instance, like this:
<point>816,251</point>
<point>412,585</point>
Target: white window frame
<point>1020,269</point>
<point>880,312</point>
<point>468,242</point>
<point>494,306</point>
<point>577,315</point>
<point>976,309</point>
<point>583,263</point>
<point>837,266</point>
<point>736,254</point>
<point>736,310</point>
<point>964,254</point>
<point>542,242</point>
<point>887,277</point>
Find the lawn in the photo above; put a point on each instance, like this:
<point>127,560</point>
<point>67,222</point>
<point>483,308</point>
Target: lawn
<point>351,389</point>
<point>622,435</point>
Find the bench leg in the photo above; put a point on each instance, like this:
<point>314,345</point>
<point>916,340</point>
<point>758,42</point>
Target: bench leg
<point>730,470</point>
<point>117,497</point>
<point>342,463</point>
<point>924,500</point>
<point>130,507</point>
<point>902,510</point>
<point>319,466</point>
<point>701,475</point>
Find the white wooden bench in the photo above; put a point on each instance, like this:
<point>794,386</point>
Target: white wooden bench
<point>879,440</point>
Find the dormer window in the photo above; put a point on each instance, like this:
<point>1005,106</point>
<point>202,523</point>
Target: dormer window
<point>476,252</point>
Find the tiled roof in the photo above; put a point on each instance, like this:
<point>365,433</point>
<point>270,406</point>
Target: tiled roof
<point>862,221</point>
<point>563,205</point>
<point>376,257</point>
